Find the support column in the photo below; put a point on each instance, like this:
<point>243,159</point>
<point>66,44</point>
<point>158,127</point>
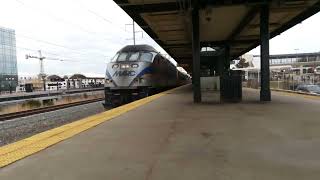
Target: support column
<point>220,64</point>
<point>227,58</point>
<point>265,94</point>
<point>196,54</point>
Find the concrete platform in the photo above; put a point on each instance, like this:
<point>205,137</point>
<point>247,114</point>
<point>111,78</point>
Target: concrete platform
<point>173,138</point>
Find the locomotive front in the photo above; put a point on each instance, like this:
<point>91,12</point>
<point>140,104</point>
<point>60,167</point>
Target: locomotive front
<point>128,75</point>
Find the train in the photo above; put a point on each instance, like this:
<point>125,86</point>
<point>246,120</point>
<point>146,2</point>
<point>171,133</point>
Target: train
<point>137,71</point>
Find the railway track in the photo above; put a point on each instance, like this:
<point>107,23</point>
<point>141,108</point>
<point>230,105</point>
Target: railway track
<point>8,116</point>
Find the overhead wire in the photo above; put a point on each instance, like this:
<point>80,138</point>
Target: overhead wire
<point>68,59</point>
<point>81,52</point>
<point>69,23</point>
<point>77,51</point>
<point>100,16</point>
<point>28,49</point>
<point>62,20</point>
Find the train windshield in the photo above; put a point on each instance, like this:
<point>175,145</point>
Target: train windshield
<point>146,57</point>
<point>133,56</point>
<point>122,57</point>
<point>114,59</point>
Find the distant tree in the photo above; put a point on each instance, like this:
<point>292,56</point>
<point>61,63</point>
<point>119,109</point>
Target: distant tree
<point>242,63</point>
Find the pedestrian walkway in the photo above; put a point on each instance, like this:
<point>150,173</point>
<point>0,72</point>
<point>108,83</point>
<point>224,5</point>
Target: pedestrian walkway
<point>173,138</point>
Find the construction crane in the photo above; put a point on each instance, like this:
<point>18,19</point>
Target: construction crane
<point>42,74</point>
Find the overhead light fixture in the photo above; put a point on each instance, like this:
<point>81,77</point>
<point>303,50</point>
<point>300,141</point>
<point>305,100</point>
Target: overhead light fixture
<point>208,13</point>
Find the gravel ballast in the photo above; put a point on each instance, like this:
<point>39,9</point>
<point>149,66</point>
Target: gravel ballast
<point>20,128</point>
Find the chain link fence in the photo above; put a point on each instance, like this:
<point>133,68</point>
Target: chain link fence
<point>281,80</point>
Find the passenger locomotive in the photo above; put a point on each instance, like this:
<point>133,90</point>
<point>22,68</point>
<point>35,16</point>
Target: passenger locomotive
<point>137,71</point>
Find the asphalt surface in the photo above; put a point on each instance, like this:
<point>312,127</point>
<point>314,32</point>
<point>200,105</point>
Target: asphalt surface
<point>173,138</point>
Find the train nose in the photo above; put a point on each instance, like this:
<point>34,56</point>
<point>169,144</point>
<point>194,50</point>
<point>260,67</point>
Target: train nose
<point>124,74</point>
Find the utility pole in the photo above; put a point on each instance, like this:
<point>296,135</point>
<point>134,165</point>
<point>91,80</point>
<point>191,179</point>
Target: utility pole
<point>134,31</point>
<point>42,75</point>
<point>41,58</point>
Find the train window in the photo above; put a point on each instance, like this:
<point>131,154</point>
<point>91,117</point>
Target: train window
<point>115,58</point>
<point>147,57</point>
<point>122,57</point>
<point>134,56</point>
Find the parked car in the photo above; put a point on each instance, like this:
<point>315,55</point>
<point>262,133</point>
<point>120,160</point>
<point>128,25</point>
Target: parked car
<point>309,88</point>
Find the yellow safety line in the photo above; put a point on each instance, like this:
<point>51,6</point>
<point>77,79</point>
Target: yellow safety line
<point>26,147</point>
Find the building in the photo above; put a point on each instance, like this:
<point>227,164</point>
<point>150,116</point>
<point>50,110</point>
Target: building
<point>33,82</point>
<point>55,82</point>
<point>8,60</point>
<point>81,81</point>
<point>287,71</point>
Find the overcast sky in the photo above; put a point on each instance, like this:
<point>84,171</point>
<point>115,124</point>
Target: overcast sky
<point>88,33</point>
<point>303,37</point>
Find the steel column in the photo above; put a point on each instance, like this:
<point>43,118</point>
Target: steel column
<point>265,94</point>
<point>221,63</point>
<point>196,55</point>
<point>227,58</point>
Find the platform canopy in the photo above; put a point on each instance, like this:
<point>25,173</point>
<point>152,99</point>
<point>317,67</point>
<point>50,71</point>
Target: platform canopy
<point>233,23</point>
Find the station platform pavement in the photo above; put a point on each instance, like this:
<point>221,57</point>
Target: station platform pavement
<point>173,138</point>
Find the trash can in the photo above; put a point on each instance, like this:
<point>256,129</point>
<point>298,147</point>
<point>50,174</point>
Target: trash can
<point>231,86</point>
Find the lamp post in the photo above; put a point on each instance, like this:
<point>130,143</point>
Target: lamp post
<point>283,78</point>
<point>10,84</point>
<point>301,68</point>
<point>1,84</point>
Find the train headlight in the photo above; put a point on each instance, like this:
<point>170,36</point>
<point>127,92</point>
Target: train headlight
<point>115,66</point>
<point>124,66</point>
<point>134,65</point>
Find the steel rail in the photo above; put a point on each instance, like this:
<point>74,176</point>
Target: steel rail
<point>13,115</point>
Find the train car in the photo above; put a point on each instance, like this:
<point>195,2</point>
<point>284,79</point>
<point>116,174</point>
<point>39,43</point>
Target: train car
<point>137,71</point>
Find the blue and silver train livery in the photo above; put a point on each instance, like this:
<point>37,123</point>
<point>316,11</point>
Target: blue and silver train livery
<point>137,71</point>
